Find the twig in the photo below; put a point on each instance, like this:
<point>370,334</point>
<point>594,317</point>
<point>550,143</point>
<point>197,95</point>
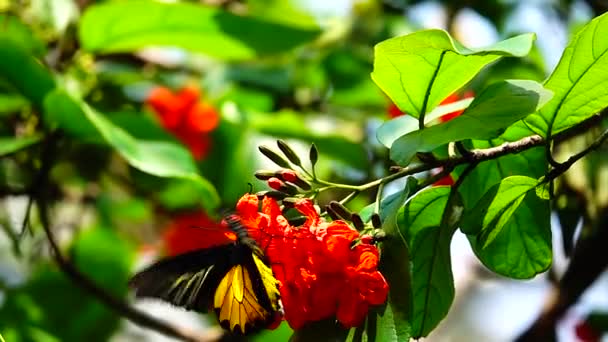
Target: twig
<point>26,218</point>
<point>563,167</point>
<point>136,316</point>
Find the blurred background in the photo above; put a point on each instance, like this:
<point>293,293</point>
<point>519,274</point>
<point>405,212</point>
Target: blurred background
<point>111,218</point>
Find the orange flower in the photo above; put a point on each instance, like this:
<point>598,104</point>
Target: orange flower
<point>192,231</point>
<point>182,114</point>
<point>320,274</point>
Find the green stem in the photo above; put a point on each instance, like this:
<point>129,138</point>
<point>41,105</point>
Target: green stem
<point>378,198</point>
<point>312,176</point>
<point>349,197</point>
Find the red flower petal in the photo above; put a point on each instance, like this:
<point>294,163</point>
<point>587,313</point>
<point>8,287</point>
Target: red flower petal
<point>320,275</point>
<point>393,111</point>
<point>192,231</point>
<point>202,118</point>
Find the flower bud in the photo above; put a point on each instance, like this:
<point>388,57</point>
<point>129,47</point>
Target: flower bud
<point>272,155</point>
<point>288,152</point>
<point>289,189</point>
<point>275,183</point>
<point>272,194</point>
<point>357,221</point>
<point>288,175</point>
<point>341,210</point>
<point>293,177</point>
<point>334,216</point>
<point>264,174</point>
<point>313,155</point>
<point>376,221</point>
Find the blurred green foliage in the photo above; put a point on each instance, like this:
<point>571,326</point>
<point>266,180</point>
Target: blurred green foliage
<point>279,69</point>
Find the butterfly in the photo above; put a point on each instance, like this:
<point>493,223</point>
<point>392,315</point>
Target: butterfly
<point>233,279</point>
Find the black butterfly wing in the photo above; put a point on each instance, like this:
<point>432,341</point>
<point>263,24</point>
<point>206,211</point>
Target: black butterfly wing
<point>188,280</point>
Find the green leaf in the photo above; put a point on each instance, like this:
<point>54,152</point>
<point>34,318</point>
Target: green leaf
<point>282,333</point>
<point>11,145</point>
<point>12,28</point>
<point>490,113</point>
<point>522,248</point>
<point>419,70</point>
<point>127,26</point>
<point>495,209</point>
<point>428,227</point>
<point>577,81</point>
<point>24,72</point>
<point>404,124</point>
<point>10,103</point>
<point>395,266</point>
<point>389,329</point>
<point>158,158</point>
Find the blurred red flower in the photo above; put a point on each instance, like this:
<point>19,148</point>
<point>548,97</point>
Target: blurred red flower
<point>585,332</point>
<point>447,180</point>
<point>321,274</point>
<point>192,231</point>
<point>186,116</point>
<point>393,111</point>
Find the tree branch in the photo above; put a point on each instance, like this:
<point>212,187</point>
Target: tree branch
<point>482,155</point>
<point>588,262</point>
<point>117,305</point>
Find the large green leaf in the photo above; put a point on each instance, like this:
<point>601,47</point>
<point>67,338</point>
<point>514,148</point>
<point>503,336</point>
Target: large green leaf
<point>496,108</point>
<point>578,80</point>
<point>404,124</point>
<point>158,158</point>
<point>428,234</point>
<point>24,72</point>
<point>522,248</point>
<point>127,26</point>
<point>496,208</point>
<point>419,70</point>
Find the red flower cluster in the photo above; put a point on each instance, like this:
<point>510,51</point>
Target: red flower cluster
<point>321,275</point>
<point>184,115</point>
<point>192,231</point>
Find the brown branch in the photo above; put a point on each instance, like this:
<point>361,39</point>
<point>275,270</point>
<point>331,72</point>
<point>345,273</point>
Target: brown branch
<point>588,262</point>
<point>482,155</point>
<point>117,305</point>
<point>120,307</point>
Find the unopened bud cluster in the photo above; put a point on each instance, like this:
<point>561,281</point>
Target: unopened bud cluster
<point>288,185</point>
<point>286,180</point>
